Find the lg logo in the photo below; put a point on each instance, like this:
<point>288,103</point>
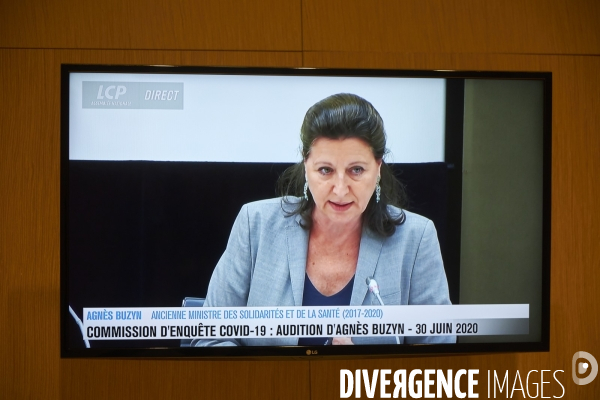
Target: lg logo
<point>583,367</point>
<point>111,92</point>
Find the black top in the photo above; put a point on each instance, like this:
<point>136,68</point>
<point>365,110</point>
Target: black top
<point>312,297</point>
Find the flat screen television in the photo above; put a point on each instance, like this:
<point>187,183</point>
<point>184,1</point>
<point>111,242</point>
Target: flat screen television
<point>158,161</point>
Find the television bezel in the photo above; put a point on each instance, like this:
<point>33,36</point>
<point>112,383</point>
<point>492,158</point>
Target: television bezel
<point>304,352</point>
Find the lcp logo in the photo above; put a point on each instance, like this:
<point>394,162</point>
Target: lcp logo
<point>111,92</point>
<point>583,366</point>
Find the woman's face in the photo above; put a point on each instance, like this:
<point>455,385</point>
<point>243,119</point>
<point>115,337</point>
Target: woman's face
<point>341,175</point>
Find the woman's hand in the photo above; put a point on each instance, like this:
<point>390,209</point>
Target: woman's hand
<point>341,341</point>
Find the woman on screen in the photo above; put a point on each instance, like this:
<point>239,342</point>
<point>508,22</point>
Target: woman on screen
<point>337,223</point>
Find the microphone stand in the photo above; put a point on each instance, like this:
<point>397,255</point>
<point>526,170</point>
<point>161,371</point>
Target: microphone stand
<point>374,288</point>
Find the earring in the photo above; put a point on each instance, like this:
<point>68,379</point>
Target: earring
<point>305,188</point>
<point>377,190</point>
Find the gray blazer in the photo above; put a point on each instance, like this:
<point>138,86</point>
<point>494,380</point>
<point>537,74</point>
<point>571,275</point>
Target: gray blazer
<point>265,260</point>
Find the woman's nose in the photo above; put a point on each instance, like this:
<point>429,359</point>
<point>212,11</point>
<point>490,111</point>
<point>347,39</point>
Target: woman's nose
<point>340,185</point>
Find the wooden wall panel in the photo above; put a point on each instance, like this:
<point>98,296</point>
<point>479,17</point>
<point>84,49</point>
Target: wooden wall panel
<point>29,252</point>
<point>174,57</point>
<point>29,221</point>
<point>455,26</point>
<point>575,261</point>
<point>183,379</point>
<point>152,24</point>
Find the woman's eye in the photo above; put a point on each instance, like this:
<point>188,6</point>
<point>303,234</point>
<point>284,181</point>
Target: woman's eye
<point>325,170</point>
<point>357,170</point>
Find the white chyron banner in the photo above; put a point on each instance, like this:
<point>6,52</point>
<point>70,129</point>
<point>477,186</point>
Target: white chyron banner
<point>281,322</point>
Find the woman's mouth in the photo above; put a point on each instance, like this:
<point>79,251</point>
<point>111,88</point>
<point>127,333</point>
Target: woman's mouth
<point>340,206</point>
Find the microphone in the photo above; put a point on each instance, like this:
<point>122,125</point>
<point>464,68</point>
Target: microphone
<point>374,288</point>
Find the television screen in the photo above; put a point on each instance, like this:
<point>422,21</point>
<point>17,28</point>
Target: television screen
<point>246,212</point>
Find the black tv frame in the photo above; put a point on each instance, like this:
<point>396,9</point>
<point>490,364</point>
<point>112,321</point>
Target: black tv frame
<point>453,154</point>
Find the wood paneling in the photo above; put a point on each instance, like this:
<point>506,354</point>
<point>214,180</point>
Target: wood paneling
<point>183,379</point>
<point>174,57</point>
<point>152,24</point>
<point>29,221</point>
<point>29,252</point>
<point>452,26</point>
